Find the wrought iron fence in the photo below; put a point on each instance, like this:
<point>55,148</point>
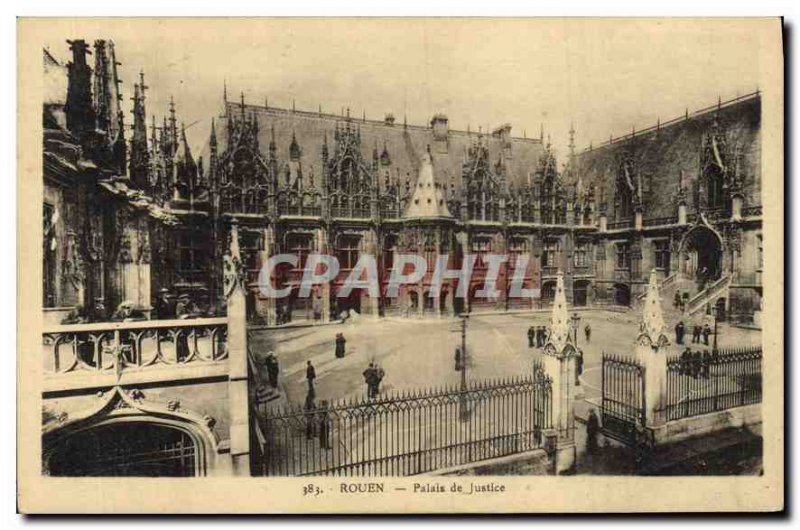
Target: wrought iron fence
<point>623,403</point>
<point>124,345</point>
<point>702,383</point>
<point>409,433</point>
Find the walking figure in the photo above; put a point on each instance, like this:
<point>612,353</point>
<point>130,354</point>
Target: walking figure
<point>458,358</point>
<point>531,336</point>
<point>696,364</point>
<point>578,367</point>
<point>706,362</point>
<point>370,377</point>
<point>696,330</point>
<point>588,332</point>
<point>272,369</point>
<point>706,333</point>
<point>340,343</point>
<point>311,374</point>
<point>680,329</point>
<point>684,368</point>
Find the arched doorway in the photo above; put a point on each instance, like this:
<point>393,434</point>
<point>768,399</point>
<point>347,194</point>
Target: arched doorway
<point>133,449</point>
<point>548,291</point>
<point>622,294</point>
<point>701,255</point>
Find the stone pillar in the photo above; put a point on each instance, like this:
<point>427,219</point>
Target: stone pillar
<point>736,207</point>
<point>325,289</point>
<point>603,221</point>
<point>233,282</point>
<point>559,364</point>
<point>637,219</point>
<point>651,351</point>
<point>682,213</point>
<point>266,307</point>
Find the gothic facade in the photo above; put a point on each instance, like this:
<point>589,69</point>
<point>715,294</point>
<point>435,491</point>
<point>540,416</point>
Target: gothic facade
<point>148,215</point>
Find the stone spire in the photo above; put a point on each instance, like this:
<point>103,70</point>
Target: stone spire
<point>652,325</point>
<point>139,159</point>
<point>560,332</point>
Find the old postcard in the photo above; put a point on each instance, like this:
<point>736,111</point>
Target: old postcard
<point>400,265</point>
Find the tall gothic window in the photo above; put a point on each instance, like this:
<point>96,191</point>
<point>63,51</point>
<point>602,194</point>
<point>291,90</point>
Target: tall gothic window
<point>623,256</point>
<point>550,254</point>
<point>481,247</point>
<point>662,255</point>
<point>299,245</point>
<point>192,257</point>
<point>580,256</point>
<point>347,251</point>
<point>714,180</point>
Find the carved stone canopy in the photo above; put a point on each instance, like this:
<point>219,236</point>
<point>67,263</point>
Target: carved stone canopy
<point>653,328</point>
<point>559,338</point>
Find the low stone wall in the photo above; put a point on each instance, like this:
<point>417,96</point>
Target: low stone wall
<point>678,430</point>
<point>536,462</point>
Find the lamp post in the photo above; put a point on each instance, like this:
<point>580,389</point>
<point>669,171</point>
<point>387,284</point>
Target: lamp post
<point>714,312</point>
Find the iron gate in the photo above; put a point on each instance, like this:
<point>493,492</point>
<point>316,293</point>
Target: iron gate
<point>623,406</point>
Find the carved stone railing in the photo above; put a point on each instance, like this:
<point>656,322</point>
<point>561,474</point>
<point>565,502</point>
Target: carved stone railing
<point>111,346</point>
<point>661,221</point>
<point>713,291</point>
<point>616,225</point>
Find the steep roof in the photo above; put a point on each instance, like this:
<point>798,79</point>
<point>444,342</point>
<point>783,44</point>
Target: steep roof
<point>427,200</point>
<point>663,153</point>
<point>404,144</point>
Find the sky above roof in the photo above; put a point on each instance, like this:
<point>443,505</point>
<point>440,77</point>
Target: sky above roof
<point>604,76</point>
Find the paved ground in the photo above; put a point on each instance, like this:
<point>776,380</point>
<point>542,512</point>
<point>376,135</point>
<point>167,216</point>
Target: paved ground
<point>418,354</point>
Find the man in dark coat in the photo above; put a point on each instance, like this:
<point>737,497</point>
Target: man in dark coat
<point>272,369</point>
<point>706,333</point>
<point>680,329</point>
<point>370,377</point>
<point>531,336</point>
<point>311,374</point>
<point>310,409</point>
<point>340,344</point>
<point>588,332</point>
<point>706,365</point>
<point>696,329</point>
<point>697,362</point>
<point>458,358</point>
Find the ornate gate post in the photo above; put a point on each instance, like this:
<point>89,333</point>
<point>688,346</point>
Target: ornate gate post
<point>559,364</point>
<point>238,406</point>
<point>651,352</point>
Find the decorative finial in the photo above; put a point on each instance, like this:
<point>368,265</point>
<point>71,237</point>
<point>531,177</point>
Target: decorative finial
<point>653,327</point>
<point>559,333</point>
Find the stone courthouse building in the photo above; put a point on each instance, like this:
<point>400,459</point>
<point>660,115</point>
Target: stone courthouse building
<point>137,216</point>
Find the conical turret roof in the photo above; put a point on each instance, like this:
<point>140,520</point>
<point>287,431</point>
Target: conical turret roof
<point>427,201</point>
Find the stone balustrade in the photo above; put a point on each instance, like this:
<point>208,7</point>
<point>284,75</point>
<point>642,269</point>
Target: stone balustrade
<point>124,346</point>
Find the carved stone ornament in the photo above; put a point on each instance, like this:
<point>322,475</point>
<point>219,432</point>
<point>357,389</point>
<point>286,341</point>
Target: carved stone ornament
<point>232,271</point>
<point>652,326</point>
<point>125,249</point>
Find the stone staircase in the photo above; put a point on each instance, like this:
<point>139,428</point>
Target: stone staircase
<point>709,295</point>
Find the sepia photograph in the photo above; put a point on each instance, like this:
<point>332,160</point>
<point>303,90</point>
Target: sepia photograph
<point>408,256</point>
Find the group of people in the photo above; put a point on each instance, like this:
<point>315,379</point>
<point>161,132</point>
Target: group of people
<point>537,336</point>
<point>698,331</point>
<point>318,422</point>
<point>697,364</point>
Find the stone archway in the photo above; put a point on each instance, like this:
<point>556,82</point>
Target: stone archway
<point>701,255</point>
<point>128,435</point>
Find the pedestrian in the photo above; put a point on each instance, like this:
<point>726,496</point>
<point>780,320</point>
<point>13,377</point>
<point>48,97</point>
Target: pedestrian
<point>677,300</point>
<point>578,367</point>
<point>679,331</point>
<point>370,375</point>
<point>340,345</point>
<point>684,368</point>
<point>706,333</point>
<point>592,430</point>
<point>539,336</point>
<point>311,374</point>
<point>696,333</point>
<point>531,336</point>
<point>588,332</point>
<point>272,369</point>
<point>324,426</point>
<point>458,358</point>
